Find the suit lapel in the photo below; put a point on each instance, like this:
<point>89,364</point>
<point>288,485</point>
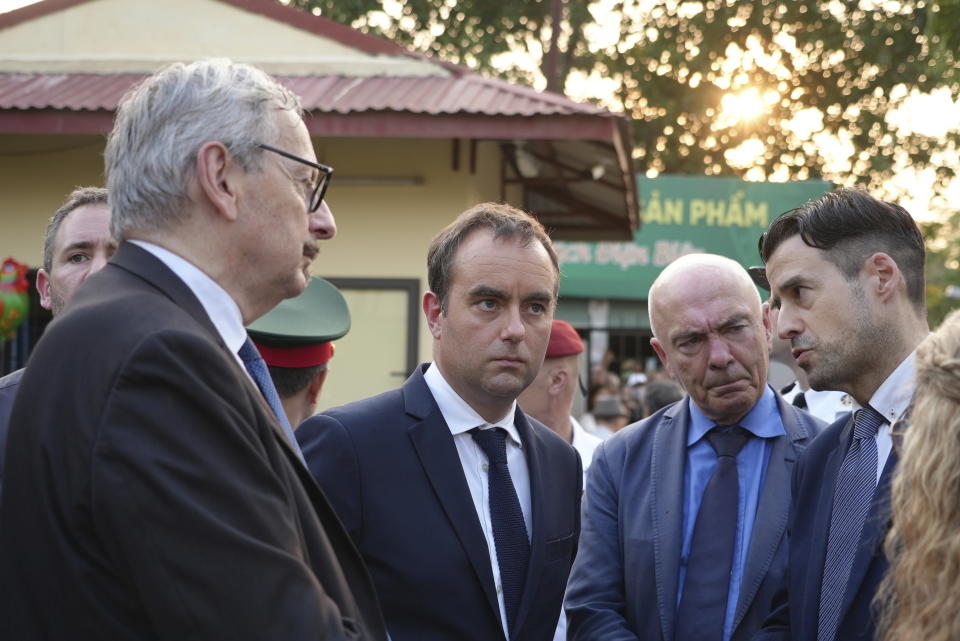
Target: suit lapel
<point>535,456</point>
<point>438,455</point>
<point>773,509</point>
<point>666,479</point>
<point>137,260</point>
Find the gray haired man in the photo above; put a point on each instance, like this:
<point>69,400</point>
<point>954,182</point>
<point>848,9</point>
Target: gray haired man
<point>158,497</point>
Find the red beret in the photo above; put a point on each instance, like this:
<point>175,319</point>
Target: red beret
<point>564,340</point>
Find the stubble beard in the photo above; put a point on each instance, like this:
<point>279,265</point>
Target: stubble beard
<point>852,353</point>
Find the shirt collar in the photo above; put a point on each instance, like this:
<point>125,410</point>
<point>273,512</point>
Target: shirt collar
<point>223,311</point>
<point>460,417</point>
<point>895,393</point>
<point>763,419</point>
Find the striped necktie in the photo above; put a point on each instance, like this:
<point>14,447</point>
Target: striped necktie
<point>856,483</point>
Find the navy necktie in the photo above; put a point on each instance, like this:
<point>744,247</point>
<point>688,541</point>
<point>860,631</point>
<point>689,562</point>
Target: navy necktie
<point>257,368</point>
<point>856,483</point>
<point>703,603</point>
<point>509,529</point>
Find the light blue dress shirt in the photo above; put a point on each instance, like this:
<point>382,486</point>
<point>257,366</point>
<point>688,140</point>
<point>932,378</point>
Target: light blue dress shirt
<point>764,423</point>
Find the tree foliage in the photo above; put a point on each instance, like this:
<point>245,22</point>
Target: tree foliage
<point>943,267</point>
<point>475,33</point>
<point>716,87</point>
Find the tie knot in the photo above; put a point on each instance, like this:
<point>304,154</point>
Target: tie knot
<point>493,442</point>
<point>726,440</point>
<point>867,422</point>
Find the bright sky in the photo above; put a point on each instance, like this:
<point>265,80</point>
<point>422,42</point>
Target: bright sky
<point>911,188</point>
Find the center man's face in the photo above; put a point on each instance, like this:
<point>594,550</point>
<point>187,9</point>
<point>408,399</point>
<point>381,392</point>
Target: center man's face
<point>491,340</point>
<point>715,342</point>
<point>82,247</point>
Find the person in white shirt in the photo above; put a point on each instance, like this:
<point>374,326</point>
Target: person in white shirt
<point>846,273</point>
<point>549,398</point>
<point>466,510</point>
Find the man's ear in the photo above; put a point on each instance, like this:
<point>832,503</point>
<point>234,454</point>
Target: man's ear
<point>216,177</point>
<point>883,274</point>
<point>433,312</point>
<point>558,381</point>
<point>766,315</point>
<point>43,288</point>
<point>662,355</point>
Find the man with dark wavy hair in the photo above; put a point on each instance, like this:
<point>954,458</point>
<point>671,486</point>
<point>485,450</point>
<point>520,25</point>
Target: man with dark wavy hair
<point>846,273</point>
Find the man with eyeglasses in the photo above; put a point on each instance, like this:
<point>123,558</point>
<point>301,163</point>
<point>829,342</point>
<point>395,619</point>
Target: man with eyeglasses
<point>156,493</point>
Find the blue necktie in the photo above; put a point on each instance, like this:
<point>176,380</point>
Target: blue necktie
<point>703,603</point>
<point>856,483</point>
<point>257,368</point>
<point>509,529</point>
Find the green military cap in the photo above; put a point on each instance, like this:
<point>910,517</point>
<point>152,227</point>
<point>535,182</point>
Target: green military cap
<point>298,331</point>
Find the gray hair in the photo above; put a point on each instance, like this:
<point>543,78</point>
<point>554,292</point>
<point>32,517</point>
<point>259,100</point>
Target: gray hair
<point>162,123</point>
<point>78,198</point>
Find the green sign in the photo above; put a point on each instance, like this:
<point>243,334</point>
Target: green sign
<point>681,215</point>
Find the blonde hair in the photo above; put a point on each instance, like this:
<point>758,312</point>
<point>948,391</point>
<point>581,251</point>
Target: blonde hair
<point>917,598</point>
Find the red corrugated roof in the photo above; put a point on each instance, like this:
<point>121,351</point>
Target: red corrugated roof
<point>457,94</point>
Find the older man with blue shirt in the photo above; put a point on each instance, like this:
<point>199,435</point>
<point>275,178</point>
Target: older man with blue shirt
<point>685,513</point>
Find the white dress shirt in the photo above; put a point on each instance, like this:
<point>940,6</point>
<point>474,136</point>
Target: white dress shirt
<point>585,443</point>
<point>827,405</point>
<point>461,418</point>
<point>892,399</point>
<point>223,311</point>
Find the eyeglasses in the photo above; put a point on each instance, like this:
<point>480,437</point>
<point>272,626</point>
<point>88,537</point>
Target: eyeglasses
<point>324,174</point>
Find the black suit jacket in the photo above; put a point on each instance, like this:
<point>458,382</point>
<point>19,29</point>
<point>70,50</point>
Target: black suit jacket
<point>149,492</point>
<point>391,469</point>
<point>797,605</point>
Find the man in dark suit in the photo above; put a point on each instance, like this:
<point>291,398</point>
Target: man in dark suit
<point>846,272</point>
<point>153,494</point>
<point>465,509</point>
<point>77,244</point>
<point>685,513</point>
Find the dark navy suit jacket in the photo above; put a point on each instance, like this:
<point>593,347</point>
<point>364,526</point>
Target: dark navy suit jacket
<point>798,603</point>
<point>624,583</point>
<point>391,469</point>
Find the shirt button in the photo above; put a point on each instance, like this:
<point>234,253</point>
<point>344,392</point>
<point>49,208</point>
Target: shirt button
<point>499,588</point>
<point>485,467</point>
